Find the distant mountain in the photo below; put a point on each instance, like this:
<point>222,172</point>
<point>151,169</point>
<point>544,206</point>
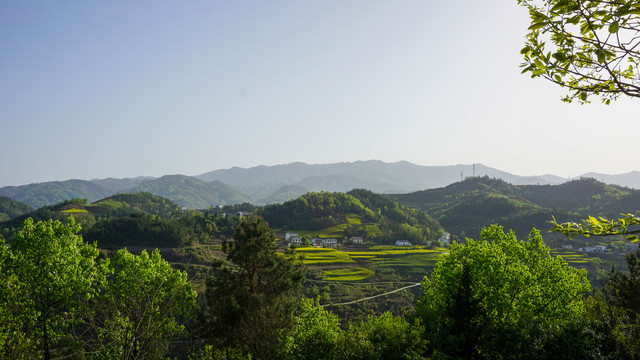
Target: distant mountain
<point>286,192</point>
<point>191,192</point>
<point>119,185</point>
<point>377,176</point>
<point>47,193</point>
<point>630,179</point>
<point>538,180</point>
<point>268,184</point>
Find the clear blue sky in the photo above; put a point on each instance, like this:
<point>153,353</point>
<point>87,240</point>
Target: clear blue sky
<point>96,89</point>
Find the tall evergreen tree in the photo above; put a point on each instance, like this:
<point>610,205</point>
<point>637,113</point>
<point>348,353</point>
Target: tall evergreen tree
<point>249,300</point>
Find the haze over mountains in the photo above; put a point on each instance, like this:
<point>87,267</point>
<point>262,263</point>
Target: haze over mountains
<point>272,184</point>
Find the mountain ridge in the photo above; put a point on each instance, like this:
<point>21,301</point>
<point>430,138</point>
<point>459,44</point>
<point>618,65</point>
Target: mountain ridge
<point>264,184</point>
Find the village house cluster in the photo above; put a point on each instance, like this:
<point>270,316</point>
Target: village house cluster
<point>631,247</point>
<point>294,239</point>
<point>597,248</point>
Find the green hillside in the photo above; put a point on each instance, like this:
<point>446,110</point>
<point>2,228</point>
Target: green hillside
<point>10,208</point>
<point>142,230</point>
<point>142,202</point>
<point>48,193</point>
<point>469,205</point>
<point>470,215</point>
<point>357,213</point>
<point>191,192</point>
<point>89,214</point>
<point>585,196</point>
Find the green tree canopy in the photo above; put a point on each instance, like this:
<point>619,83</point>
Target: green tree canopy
<point>50,274</point>
<point>315,334</point>
<point>137,314</point>
<point>495,287</point>
<point>589,47</point>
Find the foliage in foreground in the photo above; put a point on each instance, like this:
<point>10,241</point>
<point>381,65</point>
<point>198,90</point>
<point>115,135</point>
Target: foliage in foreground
<point>589,47</point>
<point>57,300</point>
<point>498,295</point>
<point>628,226</point>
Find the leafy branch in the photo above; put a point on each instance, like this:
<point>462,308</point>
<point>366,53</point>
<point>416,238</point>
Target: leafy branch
<point>589,47</point>
<point>626,226</point>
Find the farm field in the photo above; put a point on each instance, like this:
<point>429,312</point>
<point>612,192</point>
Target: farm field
<point>408,264</point>
<point>411,264</point>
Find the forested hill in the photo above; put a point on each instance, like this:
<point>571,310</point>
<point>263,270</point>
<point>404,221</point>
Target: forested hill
<point>134,220</point>
<point>193,193</point>
<point>184,190</point>
<point>10,208</point>
<point>48,193</point>
<point>585,196</point>
<point>477,202</point>
<point>356,213</point>
<point>87,214</point>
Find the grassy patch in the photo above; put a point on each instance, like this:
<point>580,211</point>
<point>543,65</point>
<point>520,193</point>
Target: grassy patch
<point>312,255</point>
<point>354,220</point>
<point>350,274</point>
<point>74,211</point>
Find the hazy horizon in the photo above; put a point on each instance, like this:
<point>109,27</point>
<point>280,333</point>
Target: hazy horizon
<point>249,167</point>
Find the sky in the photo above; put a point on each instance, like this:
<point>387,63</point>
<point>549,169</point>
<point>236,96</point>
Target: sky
<point>98,89</point>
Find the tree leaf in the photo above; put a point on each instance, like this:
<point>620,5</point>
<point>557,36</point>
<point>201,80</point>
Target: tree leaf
<point>538,25</point>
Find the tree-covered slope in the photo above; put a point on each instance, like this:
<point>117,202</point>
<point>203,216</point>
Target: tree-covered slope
<point>585,196</point>
<point>141,230</point>
<point>48,193</point>
<point>191,192</point>
<point>437,201</point>
<point>10,208</point>
<point>142,202</point>
<point>481,201</point>
<point>472,214</point>
<point>120,205</point>
<point>377,218</point>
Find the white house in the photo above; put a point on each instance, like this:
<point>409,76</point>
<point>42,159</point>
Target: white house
<point>324,242</point>
<point>403,243</point>
<point>445,239</point>
<point>600,248</point>
<point>288,236</point>
<point>356,240</point>
<point>330,242</point>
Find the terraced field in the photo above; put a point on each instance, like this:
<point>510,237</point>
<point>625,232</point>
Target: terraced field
<point>413,262</point>
<point>349,274</point>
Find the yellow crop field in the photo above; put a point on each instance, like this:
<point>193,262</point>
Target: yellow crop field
<point>74,211</point>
